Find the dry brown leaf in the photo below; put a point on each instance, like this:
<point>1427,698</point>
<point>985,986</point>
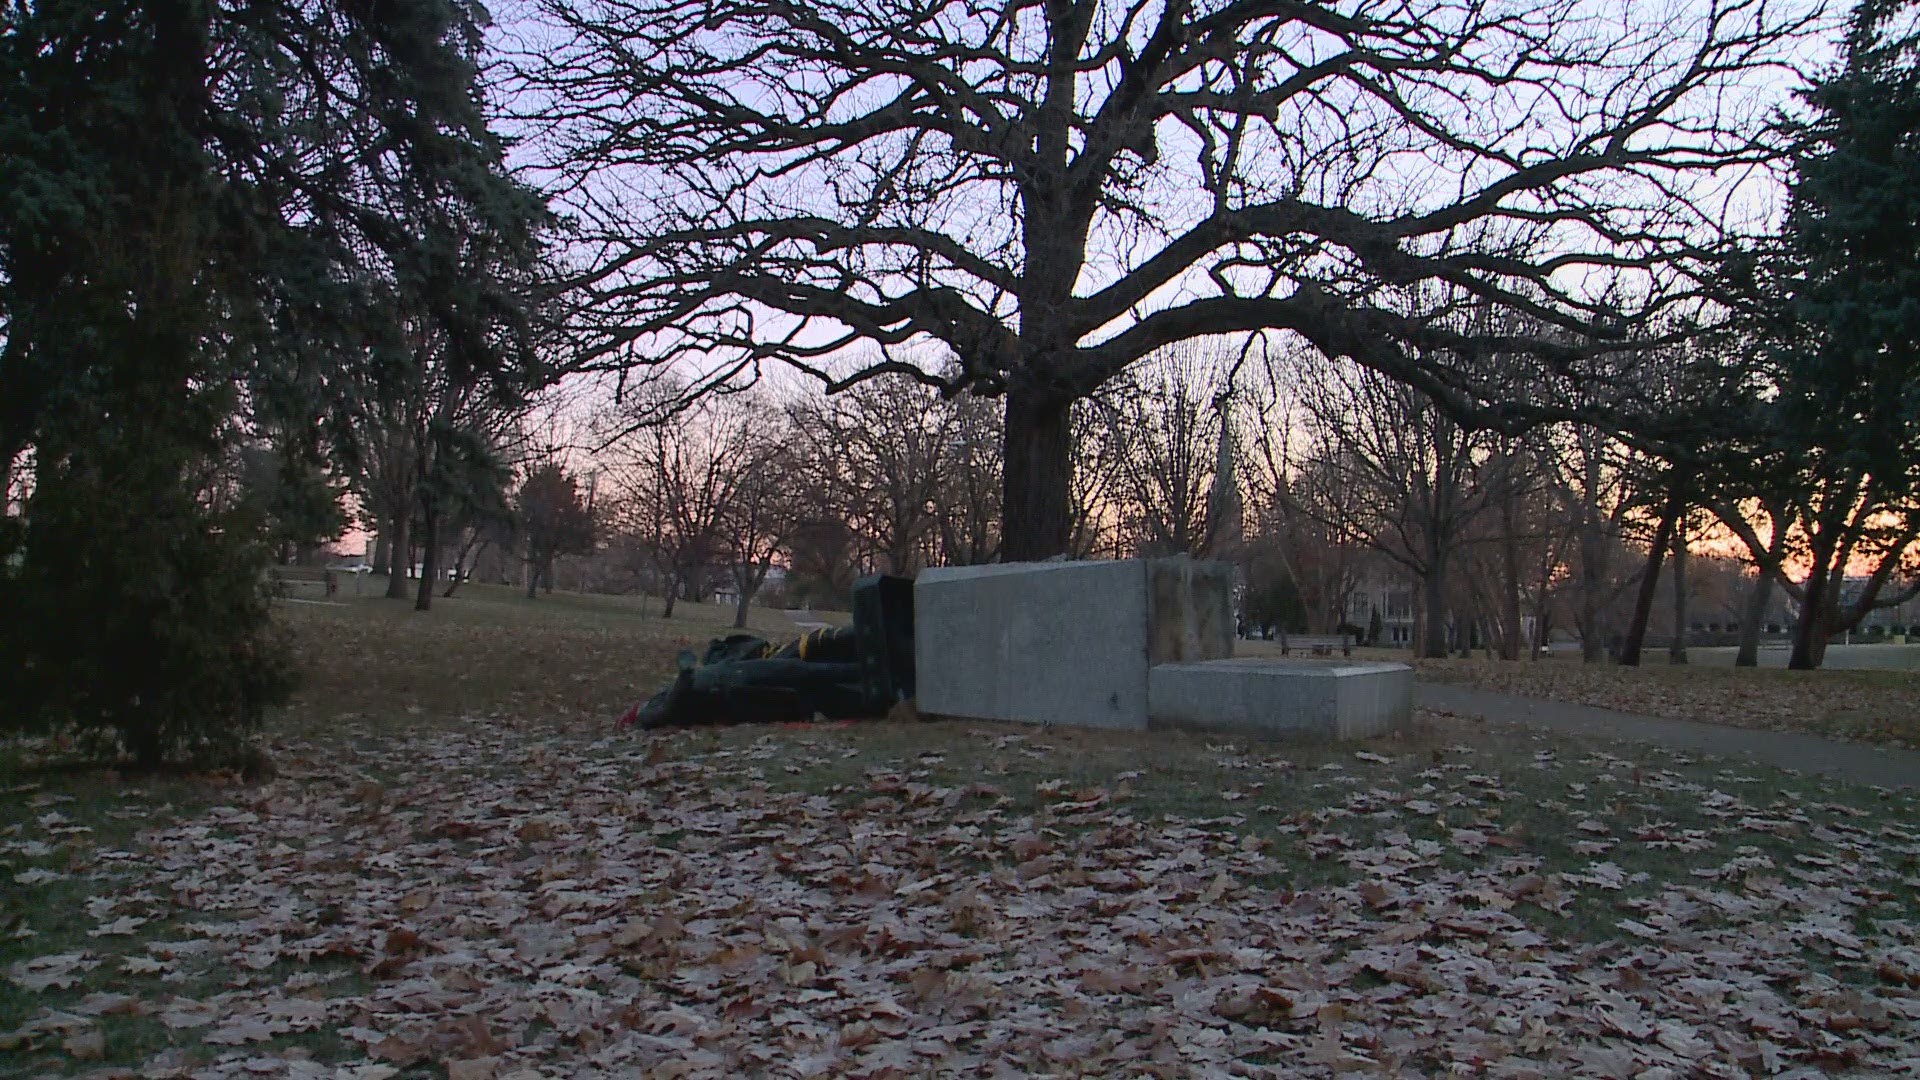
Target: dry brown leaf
<point>88,1045</point>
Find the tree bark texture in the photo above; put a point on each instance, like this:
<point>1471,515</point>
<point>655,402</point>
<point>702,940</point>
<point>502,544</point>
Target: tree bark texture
<point>1650,580</point>
<point>1593,580</point>
<point>1512,637</point>
<point>1677,651</point>
<point>1433,632</point>
<point>1810,629</point>
<point>397,573</point>
<point>1038,477</point>
<point>1751,620</point>
<point>429,555</point>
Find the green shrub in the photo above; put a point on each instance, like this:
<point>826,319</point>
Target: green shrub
<point>135,618</point>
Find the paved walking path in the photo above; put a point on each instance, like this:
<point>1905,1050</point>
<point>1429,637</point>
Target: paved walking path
<point>1861,763</point>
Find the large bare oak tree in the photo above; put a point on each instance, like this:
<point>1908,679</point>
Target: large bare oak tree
<point>1053,189</point>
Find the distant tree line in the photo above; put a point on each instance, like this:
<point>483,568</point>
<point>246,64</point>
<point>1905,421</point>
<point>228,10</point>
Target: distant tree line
<point>1524,453</point>
<point>1080,279</point>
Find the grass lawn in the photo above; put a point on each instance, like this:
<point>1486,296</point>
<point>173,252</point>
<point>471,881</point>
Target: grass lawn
<point>462,871</point>
<point>1873,706</point>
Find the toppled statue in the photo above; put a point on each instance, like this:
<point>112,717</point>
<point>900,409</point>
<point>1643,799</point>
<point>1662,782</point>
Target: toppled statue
<point>839,673</point>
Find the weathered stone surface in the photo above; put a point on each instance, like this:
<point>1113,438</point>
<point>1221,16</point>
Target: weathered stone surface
<point>1189,610</point>
<point>1313,699</point>
<point>1062,642</point>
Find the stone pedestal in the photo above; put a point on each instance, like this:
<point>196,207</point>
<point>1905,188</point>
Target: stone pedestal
<point>1314,699</point>
<point>1063,642</point>
<point>1129,645</point>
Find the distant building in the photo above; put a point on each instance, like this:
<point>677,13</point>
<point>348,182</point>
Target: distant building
<point>726,594</point>
<point>1392,595</point>
<point>1902,615</point>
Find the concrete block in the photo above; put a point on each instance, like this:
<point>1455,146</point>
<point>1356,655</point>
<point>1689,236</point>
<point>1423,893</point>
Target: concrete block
<point>1189,611</point>
<point>1062,642</point>
<point>1314,699</point>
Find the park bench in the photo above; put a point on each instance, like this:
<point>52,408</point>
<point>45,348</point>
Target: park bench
<point>1318,644</point>
<point>283,578</point>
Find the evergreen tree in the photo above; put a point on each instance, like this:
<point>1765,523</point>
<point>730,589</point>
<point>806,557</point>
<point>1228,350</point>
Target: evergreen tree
<point>1840,309</point>
<point>553,520</point>
<point>208,217</point>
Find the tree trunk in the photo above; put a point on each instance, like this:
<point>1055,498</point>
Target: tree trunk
<point>1037,482</point>
<point>1650,581</point>
<point>396,573</point>
<point>463,562</point>
<point>533,576</point>
<point>1677,651</point>
<point>1756,613</point>
<point>1433,633</point>
<point>429,555</point>
<point>1810,629</point>
<point>1591,615</point>
<point>740,609</point>
<point>1512,637</point>
<point>1510,640</point>
<point>383,549</point>
<point>672,593</point>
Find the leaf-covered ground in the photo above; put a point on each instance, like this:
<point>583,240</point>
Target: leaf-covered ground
<point>1869,706</point>
<point>427,890</point>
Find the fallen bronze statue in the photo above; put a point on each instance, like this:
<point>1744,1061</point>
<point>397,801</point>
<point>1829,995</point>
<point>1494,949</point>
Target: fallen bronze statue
<point>846,673</point>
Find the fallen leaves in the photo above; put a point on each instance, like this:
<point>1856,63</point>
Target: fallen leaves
<point>51,972</point>
<point>610,907</point>
<point>88,1045</point>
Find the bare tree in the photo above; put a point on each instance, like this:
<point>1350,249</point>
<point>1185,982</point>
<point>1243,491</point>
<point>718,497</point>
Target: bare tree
<point>1677,647</point>
<point>694,496</point>
<point>1510,549</point>
<point>1674,494</point>
<point>1093,490</point>
<point>1827,526</point>
<point>640,525</point>
<point>426,439</point>
<point>1589,479</point>
<point>1551,553</point>
<point>475,531</point>
<point>382,449</point>
<point>1403,469</point>
<point>757,520</point>
<point>884,445</point>
<point>1166,423</point>
<point>1749,521</point>
<point>967,516</point>
<point>1055,190</point>
<point>826,550</point>
<point>1295,518</point>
